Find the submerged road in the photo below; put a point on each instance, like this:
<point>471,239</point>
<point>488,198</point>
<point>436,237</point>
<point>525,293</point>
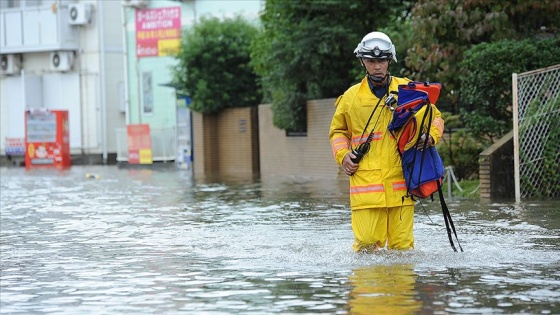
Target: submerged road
<point>130,241</point>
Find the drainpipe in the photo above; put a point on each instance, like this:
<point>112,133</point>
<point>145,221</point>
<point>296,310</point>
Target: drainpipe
<point>125,64</point>
<point>101,31</point>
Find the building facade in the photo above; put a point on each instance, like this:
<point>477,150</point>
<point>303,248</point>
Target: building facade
<point>63,55</point>
<point>108,62</point>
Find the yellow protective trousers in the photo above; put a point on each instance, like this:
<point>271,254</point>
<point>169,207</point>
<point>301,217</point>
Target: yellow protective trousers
<point>376,227</point>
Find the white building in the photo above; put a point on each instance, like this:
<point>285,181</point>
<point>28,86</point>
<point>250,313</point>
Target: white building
<point>81,56</point>
<point>63,55</point>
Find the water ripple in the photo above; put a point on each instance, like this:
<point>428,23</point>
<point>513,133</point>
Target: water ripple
<point>145,241</point>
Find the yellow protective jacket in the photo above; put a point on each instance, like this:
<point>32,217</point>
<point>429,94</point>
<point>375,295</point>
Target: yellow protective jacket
<point>379,180</point>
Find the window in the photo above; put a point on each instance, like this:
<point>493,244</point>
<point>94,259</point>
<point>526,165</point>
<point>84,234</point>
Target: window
<point>5,4</point>
<point>16,4</point>
<point>33,3</point>
<point>147,93</point>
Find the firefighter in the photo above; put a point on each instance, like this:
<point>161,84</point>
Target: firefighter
<point>366,151</point>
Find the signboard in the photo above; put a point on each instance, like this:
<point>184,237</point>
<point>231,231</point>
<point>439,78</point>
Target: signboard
<point>14,146</point>
<point>158,32</point>
<point>139,144</point>
<point>47,140</point>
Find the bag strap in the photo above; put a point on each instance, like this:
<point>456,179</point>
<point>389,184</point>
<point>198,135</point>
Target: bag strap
<point>449,226</point>
<point>372,132</point>
<point>369,119</point>
<point>428,111</point>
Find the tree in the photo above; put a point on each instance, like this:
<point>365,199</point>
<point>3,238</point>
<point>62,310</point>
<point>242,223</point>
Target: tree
<point>446,28</point>
<point>306,50</point>
<point>213,65</point>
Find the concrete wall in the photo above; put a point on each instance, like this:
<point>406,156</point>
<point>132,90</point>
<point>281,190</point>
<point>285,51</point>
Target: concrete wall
<point>308,156</point>
<point>496,170</point>
<point>238,141</point>
<point>204,129</point>
<point>244,141</point>
<point>227,143</point>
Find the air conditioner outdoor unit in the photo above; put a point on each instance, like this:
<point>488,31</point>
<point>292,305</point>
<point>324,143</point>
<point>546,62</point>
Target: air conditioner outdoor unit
<point>11,64</point>
<point>62,60</point>
<point>79,13</point>
<point>135,3</point>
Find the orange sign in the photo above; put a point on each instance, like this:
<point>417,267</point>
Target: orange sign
<point>139,144</point>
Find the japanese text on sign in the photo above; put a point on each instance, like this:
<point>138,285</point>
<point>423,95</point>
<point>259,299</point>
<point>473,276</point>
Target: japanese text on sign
<point>155,25</point>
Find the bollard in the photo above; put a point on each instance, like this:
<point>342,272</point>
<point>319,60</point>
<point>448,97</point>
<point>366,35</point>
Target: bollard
<point>448,170</point>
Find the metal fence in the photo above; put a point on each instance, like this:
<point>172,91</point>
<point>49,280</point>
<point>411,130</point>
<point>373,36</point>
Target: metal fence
<point>164,145</point>
<point>536,126</point>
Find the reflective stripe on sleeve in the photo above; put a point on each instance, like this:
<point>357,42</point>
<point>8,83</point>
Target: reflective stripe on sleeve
<point>340,143</point>
<point>438,122</point>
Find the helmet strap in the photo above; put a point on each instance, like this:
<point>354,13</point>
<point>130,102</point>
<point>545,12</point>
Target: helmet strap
<point>382,89</point>
<point>375,80</point>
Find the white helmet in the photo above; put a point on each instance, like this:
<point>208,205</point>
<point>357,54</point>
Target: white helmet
<point>376,45</point>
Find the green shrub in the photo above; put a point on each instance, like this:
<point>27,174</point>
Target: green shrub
<point>461,151</point>
<point>213,65</point>
<point>486,83</point>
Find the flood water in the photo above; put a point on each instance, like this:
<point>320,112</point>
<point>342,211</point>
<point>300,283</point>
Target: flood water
<point>108,240</point>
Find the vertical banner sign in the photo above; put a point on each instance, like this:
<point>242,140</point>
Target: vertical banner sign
<point>158,32</point>
<point>139,144</point>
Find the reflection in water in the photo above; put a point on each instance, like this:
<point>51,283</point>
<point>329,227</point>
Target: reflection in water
<point>138,241</point>
<point>383,289</point>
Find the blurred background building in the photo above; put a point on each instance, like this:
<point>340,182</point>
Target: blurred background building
<point>108,63</point>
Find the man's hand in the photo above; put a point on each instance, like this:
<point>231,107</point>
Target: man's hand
<point>349,167</point>
<point>422,143</point>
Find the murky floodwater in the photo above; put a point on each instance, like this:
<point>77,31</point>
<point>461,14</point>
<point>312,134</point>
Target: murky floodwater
<point>157,242</point>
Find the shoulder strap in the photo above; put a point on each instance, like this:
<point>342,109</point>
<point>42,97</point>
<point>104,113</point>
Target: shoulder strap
<point>369,119</point>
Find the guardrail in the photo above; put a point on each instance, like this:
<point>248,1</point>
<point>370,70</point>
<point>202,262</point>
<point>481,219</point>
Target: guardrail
<point>164,144</point>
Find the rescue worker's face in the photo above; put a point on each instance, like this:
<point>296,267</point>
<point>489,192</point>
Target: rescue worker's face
<point>376,67</point>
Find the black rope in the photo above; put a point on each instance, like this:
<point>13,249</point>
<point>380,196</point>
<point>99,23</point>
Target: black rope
<point>449,226</point>
<point>363,147</point>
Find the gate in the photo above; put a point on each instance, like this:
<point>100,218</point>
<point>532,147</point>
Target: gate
<point>536,131</point>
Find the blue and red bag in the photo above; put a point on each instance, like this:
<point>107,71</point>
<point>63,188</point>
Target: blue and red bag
<point>423,170</point>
